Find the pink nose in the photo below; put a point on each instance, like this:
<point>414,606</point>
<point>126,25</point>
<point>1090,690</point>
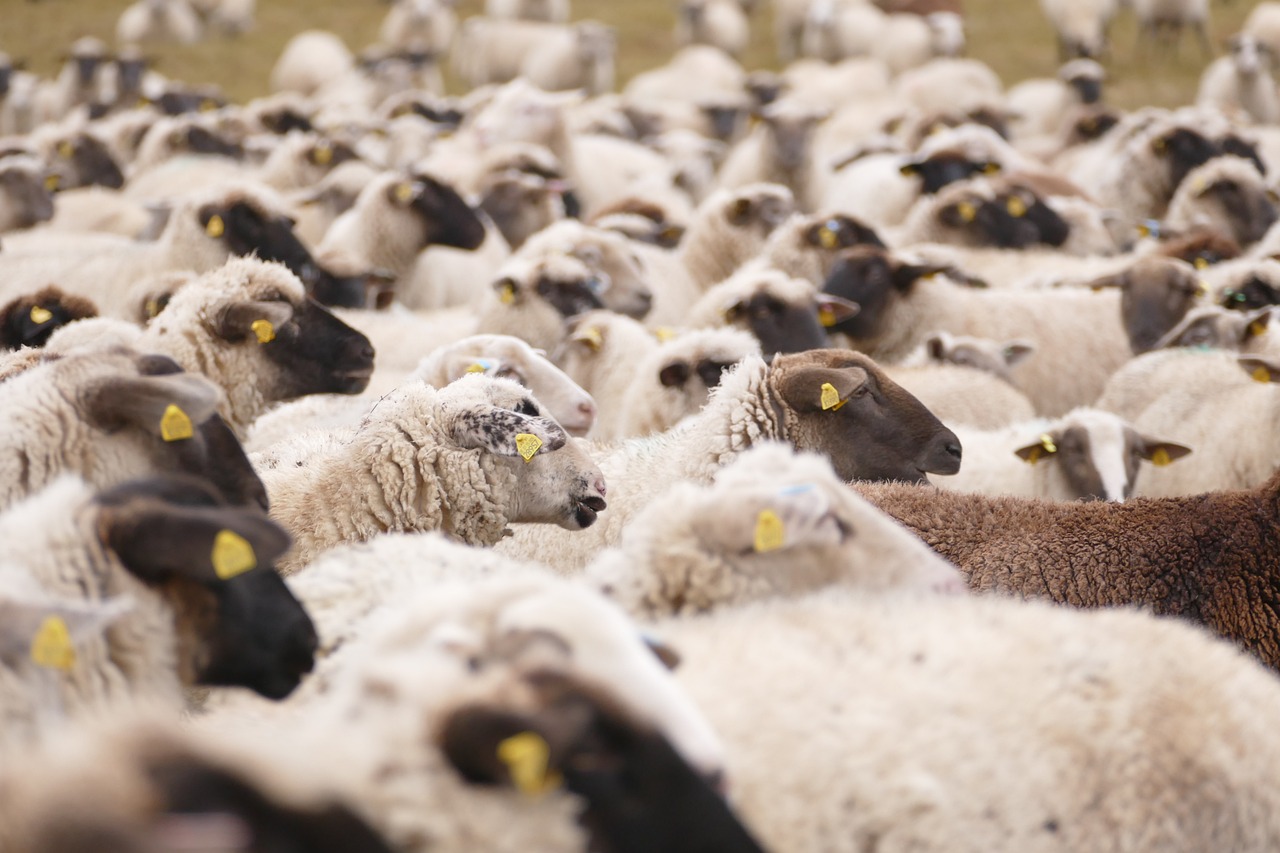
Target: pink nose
<point>587,409</point>
<point>599,486</point>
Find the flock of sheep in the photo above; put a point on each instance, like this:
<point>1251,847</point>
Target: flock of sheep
<point>863,456</point>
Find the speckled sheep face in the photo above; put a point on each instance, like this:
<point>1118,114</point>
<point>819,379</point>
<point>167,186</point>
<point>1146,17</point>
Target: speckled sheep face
<point>846,408</point>
<point>237,622</point>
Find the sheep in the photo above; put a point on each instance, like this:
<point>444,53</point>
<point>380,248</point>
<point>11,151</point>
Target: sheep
<point>898,310</point>
<point>600,351</point>
<point>77,83</point>
<point>200,234</point>
<point>232,17</point>
<point>206,606</point>
<point>551,11</point>
<point>311,59</point>
<point>950,86</point>
<point>78,159</point>
<point>1263,24</point>
<point>1135,732</point>
<point>319,205</point>
<point>694,73</point>
<point>837,29</point>
<point>111,416</point>
<point>806,246</point>
<point>1242,82</point>
<point>576,57</point>
<point>1214,327</point>
<point>419,24</point>
<point>467,466</point>
<point>155,779</point>
<point>1228,195</point>
<point>25,197</point>
<point>887,434</point>
<point>1208,558</point>
<point>719,23</point>
<point>493,355</point>
<point>774,523</point>
<point>520,204</point>
<point>1041,107</point>
<point>1088,454</point>
<point>966,381</point>
<point>28,321</point>
<point>1081,26</point>
<point>1157,18</point>
<point>778,151</point>
<point>494,50</point>
<point>621,272</point>
<point>159,20</point>
<point>784,314</point>
<point>1156,293</point>
<point>909,41</point>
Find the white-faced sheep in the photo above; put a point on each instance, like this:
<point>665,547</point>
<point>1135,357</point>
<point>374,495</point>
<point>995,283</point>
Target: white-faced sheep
<point>1242,81</point>
<point>158,21</point>
<point>1081,26</point>
<point>420,24</point>
<point>577,57</point>
<point>311,59</point>
<point>966,381</point>
<point>468,459</point>
<point>778,151</point>
<point>886,434</point>
<point>1226,194</point>
<point>1164,19</point>
<point>551,11</point>
<point>719,23</point>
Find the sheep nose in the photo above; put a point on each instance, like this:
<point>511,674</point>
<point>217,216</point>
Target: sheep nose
<point>718,781</point>
<point>952,448</point>
<point>587,409</point>
<point>600,487</point>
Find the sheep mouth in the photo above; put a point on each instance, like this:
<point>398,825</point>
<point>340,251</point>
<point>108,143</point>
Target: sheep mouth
<point>586,510</point>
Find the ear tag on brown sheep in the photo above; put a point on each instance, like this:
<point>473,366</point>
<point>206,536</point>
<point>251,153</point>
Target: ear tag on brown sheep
<point>828,238</point>
<point>1201,263</point>
<point>826,317</point>
<point>264,330</point>
<point>1160,458</point>
<point>40,316</point>
<point>1017,207</point>
<point>322,155</point>
<point>506,294</point>
<point>215,227</point>
<point>232,555</point>
<point>51,182</point>
<point>66,150</point>
<point>51,646</point>
<point>175,425</point>
<point>527,444</point>
<point>770,533</point>
<point>664,334</point>
<point>1261,374</point>
<point>831,398</point>
<point>527,756</point>
<point>967,211</point>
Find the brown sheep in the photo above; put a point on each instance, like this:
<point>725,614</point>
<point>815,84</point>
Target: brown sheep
<point>1210,558</point>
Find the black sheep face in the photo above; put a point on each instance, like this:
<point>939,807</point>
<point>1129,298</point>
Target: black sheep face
<point>1182,150</point>
<point>1253,293</point>
<point>942,170</point>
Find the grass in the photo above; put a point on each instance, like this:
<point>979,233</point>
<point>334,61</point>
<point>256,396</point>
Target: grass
<point>1010,35</point>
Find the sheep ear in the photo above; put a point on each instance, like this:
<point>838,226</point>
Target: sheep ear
<point>1256,323</point>
<point>817,389</point>
<point>1047,445</point>
<point>662,650</point>
<point>740,211</point>
<point>798,516</point>
<point>503,432</point>
<point>936,346</point>
<point>674,375</point>
<point>1161,453</point>
<point>833,309</point>
<point>239,320</point>
<point>1119,281</point>
<point>48,632</point>
<point>1260,368</point>
<point>157,541</point>
<point>910,170</point>
<point>168,406</point>
<point>472,739</point>
<point>1017,351</point>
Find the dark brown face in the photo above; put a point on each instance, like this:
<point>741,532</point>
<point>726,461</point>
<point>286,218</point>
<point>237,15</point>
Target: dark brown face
<point>1234,146</point>
<point>780,326</point>
<point>940,170</point>
<point>245,230</point>
<point>1182,150</point>
<point>842,232</point>
<point>283,120</point>
<point>29,320</point>
<point>1202,248</point>
<point>29,199</point>
<point>570,296</point>
<point>320,354</point>
<point>236,619</point>
<point>708,371</point>
<point>450,220</point>
<point>1253,293</point>
<point>88,162</point>
<point>870,428</point>
<point>1155,295</point>
<point>1249,209</point>
<point>873,279</point>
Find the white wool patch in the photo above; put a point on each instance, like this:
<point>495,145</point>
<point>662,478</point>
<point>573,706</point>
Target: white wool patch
<point>1108,452</point>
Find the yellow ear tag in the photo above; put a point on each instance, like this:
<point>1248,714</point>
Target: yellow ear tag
<point>152,308</point>
<point>827,238</point>
<point>591,337</point>
<point>770,534</point>
<point>527,444</point>
<point>404,193</point>
<point>1046,441</point>
<point>215,228</point>
<point>208,105</point>
<point>1201,264</point>
<point>232,555</point>
<point>1160,458</point>
<point>175,425</point>
<point>1017,207</point>
<point>476,368</point>
<point>664,334</point>
<point>51,646</point>
<point>507,294</point>
<point>322,155</point>
<point>991,169</point>
<point>1034,456</point>
<point>1202,289</point>
<point>826,317</point>
<point>831,398</point>
<point>264,330</point>
<point>51,183</point>
<point>40,315</point>
<point>1261,374</point>
<point>967,211</point>
<point>526,756</point>
<point>66,150</point>
<point>1144,230</point>
<point>1256,328</point>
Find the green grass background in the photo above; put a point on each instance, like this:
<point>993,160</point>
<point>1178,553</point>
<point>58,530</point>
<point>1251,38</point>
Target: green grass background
<point>1010,35</point>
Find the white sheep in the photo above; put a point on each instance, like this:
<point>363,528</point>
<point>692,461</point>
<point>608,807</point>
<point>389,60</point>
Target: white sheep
<point>468,459</point>
<point>419,24</point>
<point>493,355</point>
<point>778,151</point>
<point>159,20</point>
<point>600,351</point>
<point>719,23</point>
<point>1081,26</point>
<point>577,57</point>
<point>311,59</point>
<point>966,381</point>
<point>25,197</point>
<point>757,402</point>
<point>551,11</point>
<point>233,17</point>
<point>1086,454</point>
<point>1263,24</point>
<point>1241,83</point>
<point>1165,19</point>
<point>949,689</point>
<point>1227,194</point>
<point>1041,107</point>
